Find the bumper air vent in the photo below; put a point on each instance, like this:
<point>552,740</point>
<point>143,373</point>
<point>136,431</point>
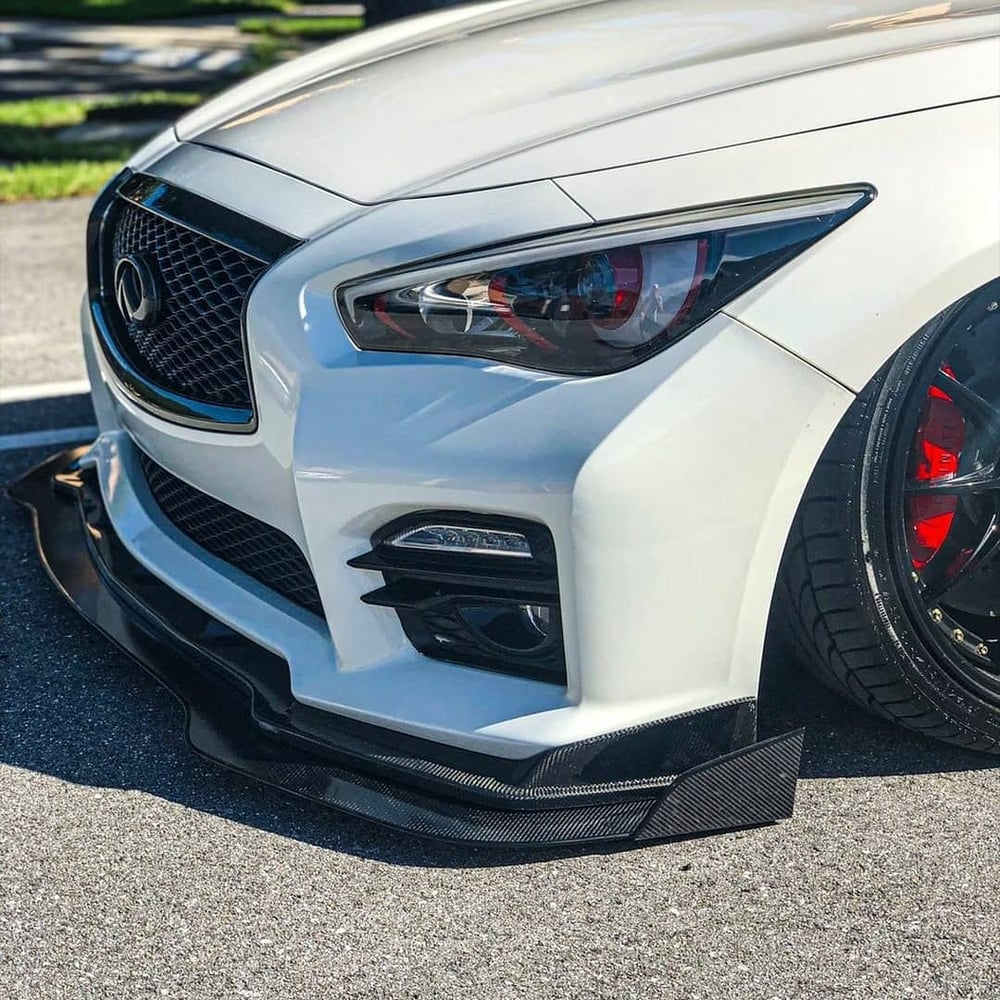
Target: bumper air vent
<point>473,589</point>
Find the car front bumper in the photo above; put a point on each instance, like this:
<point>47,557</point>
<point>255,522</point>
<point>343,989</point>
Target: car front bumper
<point>694,773</point>
<point>667,491</point>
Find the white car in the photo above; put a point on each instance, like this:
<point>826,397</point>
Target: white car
<point>471,391</point>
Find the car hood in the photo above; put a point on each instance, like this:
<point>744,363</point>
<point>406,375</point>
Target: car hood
<point>442,103</point>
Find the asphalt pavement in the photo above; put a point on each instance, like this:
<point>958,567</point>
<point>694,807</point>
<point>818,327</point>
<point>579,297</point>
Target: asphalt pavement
<point>131,868</point>
<point>57,58</point>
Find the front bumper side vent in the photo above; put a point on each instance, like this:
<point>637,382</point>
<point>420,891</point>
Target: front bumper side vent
<point>481,609</point>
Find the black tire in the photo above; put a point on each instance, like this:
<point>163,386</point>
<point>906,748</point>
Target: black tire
<point>869,624</point>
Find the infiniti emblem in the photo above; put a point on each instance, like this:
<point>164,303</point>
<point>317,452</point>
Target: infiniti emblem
<point>136,291</point>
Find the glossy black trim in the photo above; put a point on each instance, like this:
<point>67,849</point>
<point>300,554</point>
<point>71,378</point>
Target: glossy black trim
<point>207,218</point>
<point>162,402</point>
<point>240,713</point>
<point>253,547</point>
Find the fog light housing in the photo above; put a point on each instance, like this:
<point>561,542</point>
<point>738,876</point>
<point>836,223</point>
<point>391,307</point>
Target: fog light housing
<point>475,589</point>
<point>512,628</point>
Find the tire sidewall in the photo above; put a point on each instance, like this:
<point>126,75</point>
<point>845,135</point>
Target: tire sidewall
<point>921,666</point>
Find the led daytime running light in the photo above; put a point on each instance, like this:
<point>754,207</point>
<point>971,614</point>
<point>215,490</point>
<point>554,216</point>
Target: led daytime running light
<point>463,541</point>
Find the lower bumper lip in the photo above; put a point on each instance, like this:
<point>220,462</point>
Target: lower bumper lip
<point>624,786</point>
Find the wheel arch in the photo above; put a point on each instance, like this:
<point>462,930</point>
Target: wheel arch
<point>947,292</point>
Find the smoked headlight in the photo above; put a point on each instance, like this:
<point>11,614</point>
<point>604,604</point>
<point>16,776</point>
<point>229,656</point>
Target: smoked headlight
<point>593,302</point>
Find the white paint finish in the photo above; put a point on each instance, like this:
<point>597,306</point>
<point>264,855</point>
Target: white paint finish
<point>821,99</point>
<point>680,516</point>
<point>405,693</point>
<point>709,73</point>
<point>375,440</point>
<point>370,437</point>
<point>658,577</point>
<point>295,332</point>
<point>251,472</point>
<point>157,147</point>
<point>353,51</point>
<point>668,510</point>
<point>282,202</point>
<point>930,236</point>
<point>101,398</point>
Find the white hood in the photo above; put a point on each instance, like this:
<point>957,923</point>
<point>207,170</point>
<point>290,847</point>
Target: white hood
<point>493,94</point>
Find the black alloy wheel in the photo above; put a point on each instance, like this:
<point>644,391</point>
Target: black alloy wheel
<point>890,582</point>
<point>945,498</point>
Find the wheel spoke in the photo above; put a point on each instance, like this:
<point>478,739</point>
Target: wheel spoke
<point>942,584</point>
<point>987,481</point>
<point>949,488</point>
<point>981,411</point>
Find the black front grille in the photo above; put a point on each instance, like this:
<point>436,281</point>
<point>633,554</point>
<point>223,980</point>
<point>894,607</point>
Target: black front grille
<point>169,275</point>
<point>256,548</point>
<point>195,347</point>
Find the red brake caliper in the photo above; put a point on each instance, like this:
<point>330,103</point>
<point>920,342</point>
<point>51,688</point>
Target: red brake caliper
<point>936,453</point>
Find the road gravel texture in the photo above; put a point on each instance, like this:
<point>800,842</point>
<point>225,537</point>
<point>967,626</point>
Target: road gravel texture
<point>131,868</point>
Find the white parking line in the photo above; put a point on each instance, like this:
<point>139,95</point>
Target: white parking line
<point>221,60</point>
<point>46,439</point>
<point>43,390</point>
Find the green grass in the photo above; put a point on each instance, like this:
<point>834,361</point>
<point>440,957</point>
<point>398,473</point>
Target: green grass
<point>268,51</point>
<point>41,112</point>
<point>136,10</point>
<point>301,27</point>
<point>45,167</point>
<point>58,112</point>
<point>30,181</point>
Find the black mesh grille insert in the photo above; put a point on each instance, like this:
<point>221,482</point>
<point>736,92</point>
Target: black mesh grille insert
<point>195,348</point>
<point>256,548</point>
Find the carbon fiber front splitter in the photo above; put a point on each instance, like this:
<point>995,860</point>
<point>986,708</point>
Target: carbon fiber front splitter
<point>691,774</point>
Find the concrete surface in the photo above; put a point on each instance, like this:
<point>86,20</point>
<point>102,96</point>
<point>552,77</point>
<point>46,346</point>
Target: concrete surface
<point>131,868</point>
<point>42,278</point>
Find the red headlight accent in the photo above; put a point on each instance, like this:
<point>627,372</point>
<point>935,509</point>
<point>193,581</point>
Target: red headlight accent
<point>386,320</point>
<point>625,266</point>
<point>499,299</point>
<point>687,305</point>
<point>596,301</point>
